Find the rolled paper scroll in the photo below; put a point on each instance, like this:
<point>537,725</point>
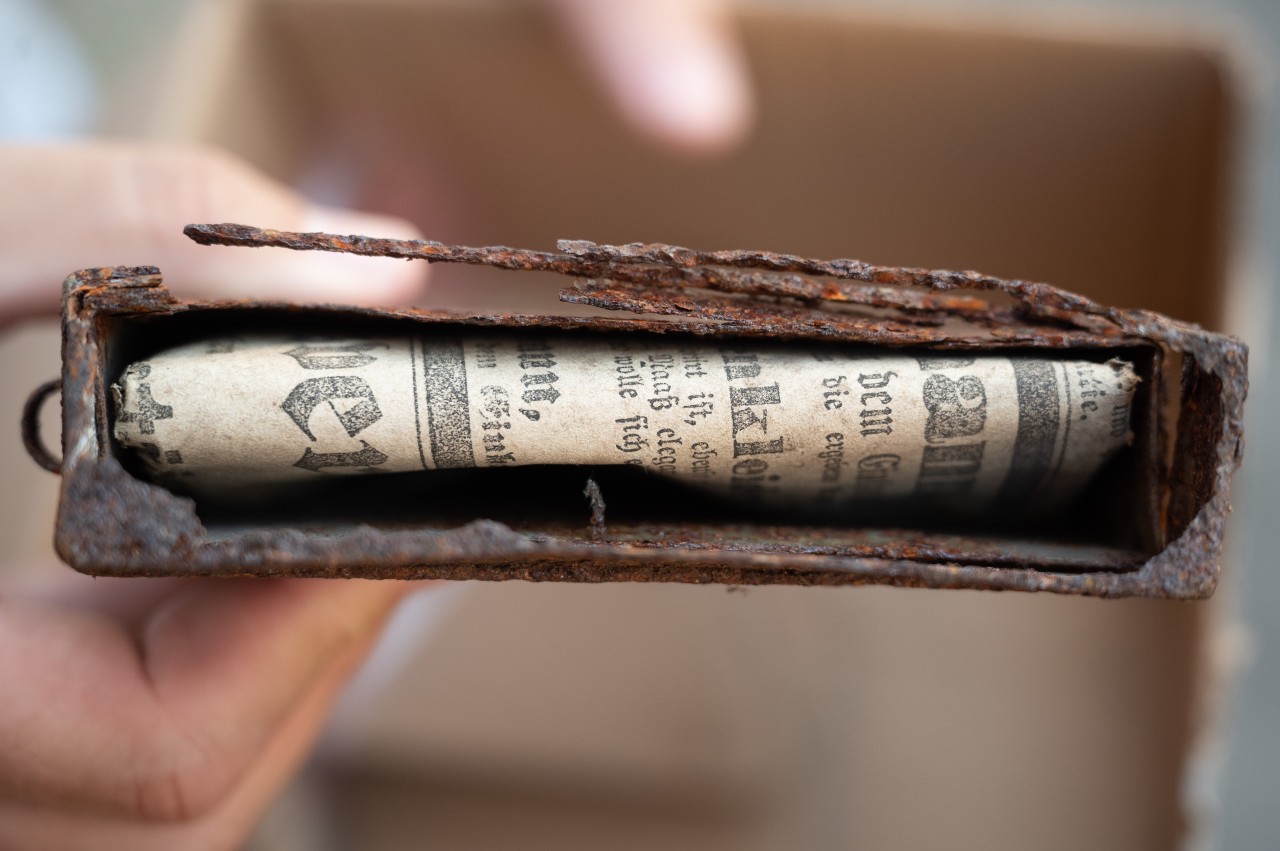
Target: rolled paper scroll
<point>795,425</point>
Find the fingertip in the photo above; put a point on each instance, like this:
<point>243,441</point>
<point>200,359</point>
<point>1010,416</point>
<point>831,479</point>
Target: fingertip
<point>356,279</point>
<point>318,217</point>
<point>675,70</point>
<point>693,97</point>
<point>317,277</point>
<point>323,278</point>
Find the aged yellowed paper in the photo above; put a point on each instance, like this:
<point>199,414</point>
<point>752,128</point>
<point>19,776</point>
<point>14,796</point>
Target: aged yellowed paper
<point>776,423</point>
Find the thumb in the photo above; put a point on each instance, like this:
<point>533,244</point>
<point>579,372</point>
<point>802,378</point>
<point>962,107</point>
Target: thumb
<point>69,207</point>
<point>672,67</point>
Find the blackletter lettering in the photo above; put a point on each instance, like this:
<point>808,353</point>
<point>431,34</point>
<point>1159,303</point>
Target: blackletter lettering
<point>366,457</point>
<point>956,408</point>
<point>304,399</point>
<point>334,357</point>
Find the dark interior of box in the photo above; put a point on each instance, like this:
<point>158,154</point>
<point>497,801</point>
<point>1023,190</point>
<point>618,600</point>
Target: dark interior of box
<point>1119,510</point>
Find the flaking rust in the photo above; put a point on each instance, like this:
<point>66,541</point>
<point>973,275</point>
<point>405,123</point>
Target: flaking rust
<point>112,523</point>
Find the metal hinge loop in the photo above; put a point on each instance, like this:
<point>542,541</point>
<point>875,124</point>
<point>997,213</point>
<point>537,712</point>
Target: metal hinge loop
<point>31,426</point>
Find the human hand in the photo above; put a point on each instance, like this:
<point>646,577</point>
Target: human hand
<point>155,713</point>
<point>73,206</point>
<point>672,67</point>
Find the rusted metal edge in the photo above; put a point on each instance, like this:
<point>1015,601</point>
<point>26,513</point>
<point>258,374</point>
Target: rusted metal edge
<point>771,275</point>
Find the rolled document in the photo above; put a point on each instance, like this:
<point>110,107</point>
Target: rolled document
<point>795,425</point>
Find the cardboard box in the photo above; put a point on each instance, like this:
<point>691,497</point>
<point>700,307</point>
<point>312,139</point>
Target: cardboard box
<point>796,717</point>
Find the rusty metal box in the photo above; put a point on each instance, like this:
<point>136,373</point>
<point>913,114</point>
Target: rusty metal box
<point>1171,493</point>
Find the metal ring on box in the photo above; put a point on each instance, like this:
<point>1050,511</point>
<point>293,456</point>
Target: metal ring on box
<point>31,426</point>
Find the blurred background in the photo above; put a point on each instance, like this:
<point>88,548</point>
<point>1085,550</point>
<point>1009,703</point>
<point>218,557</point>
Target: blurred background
<point>1122,148</point>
